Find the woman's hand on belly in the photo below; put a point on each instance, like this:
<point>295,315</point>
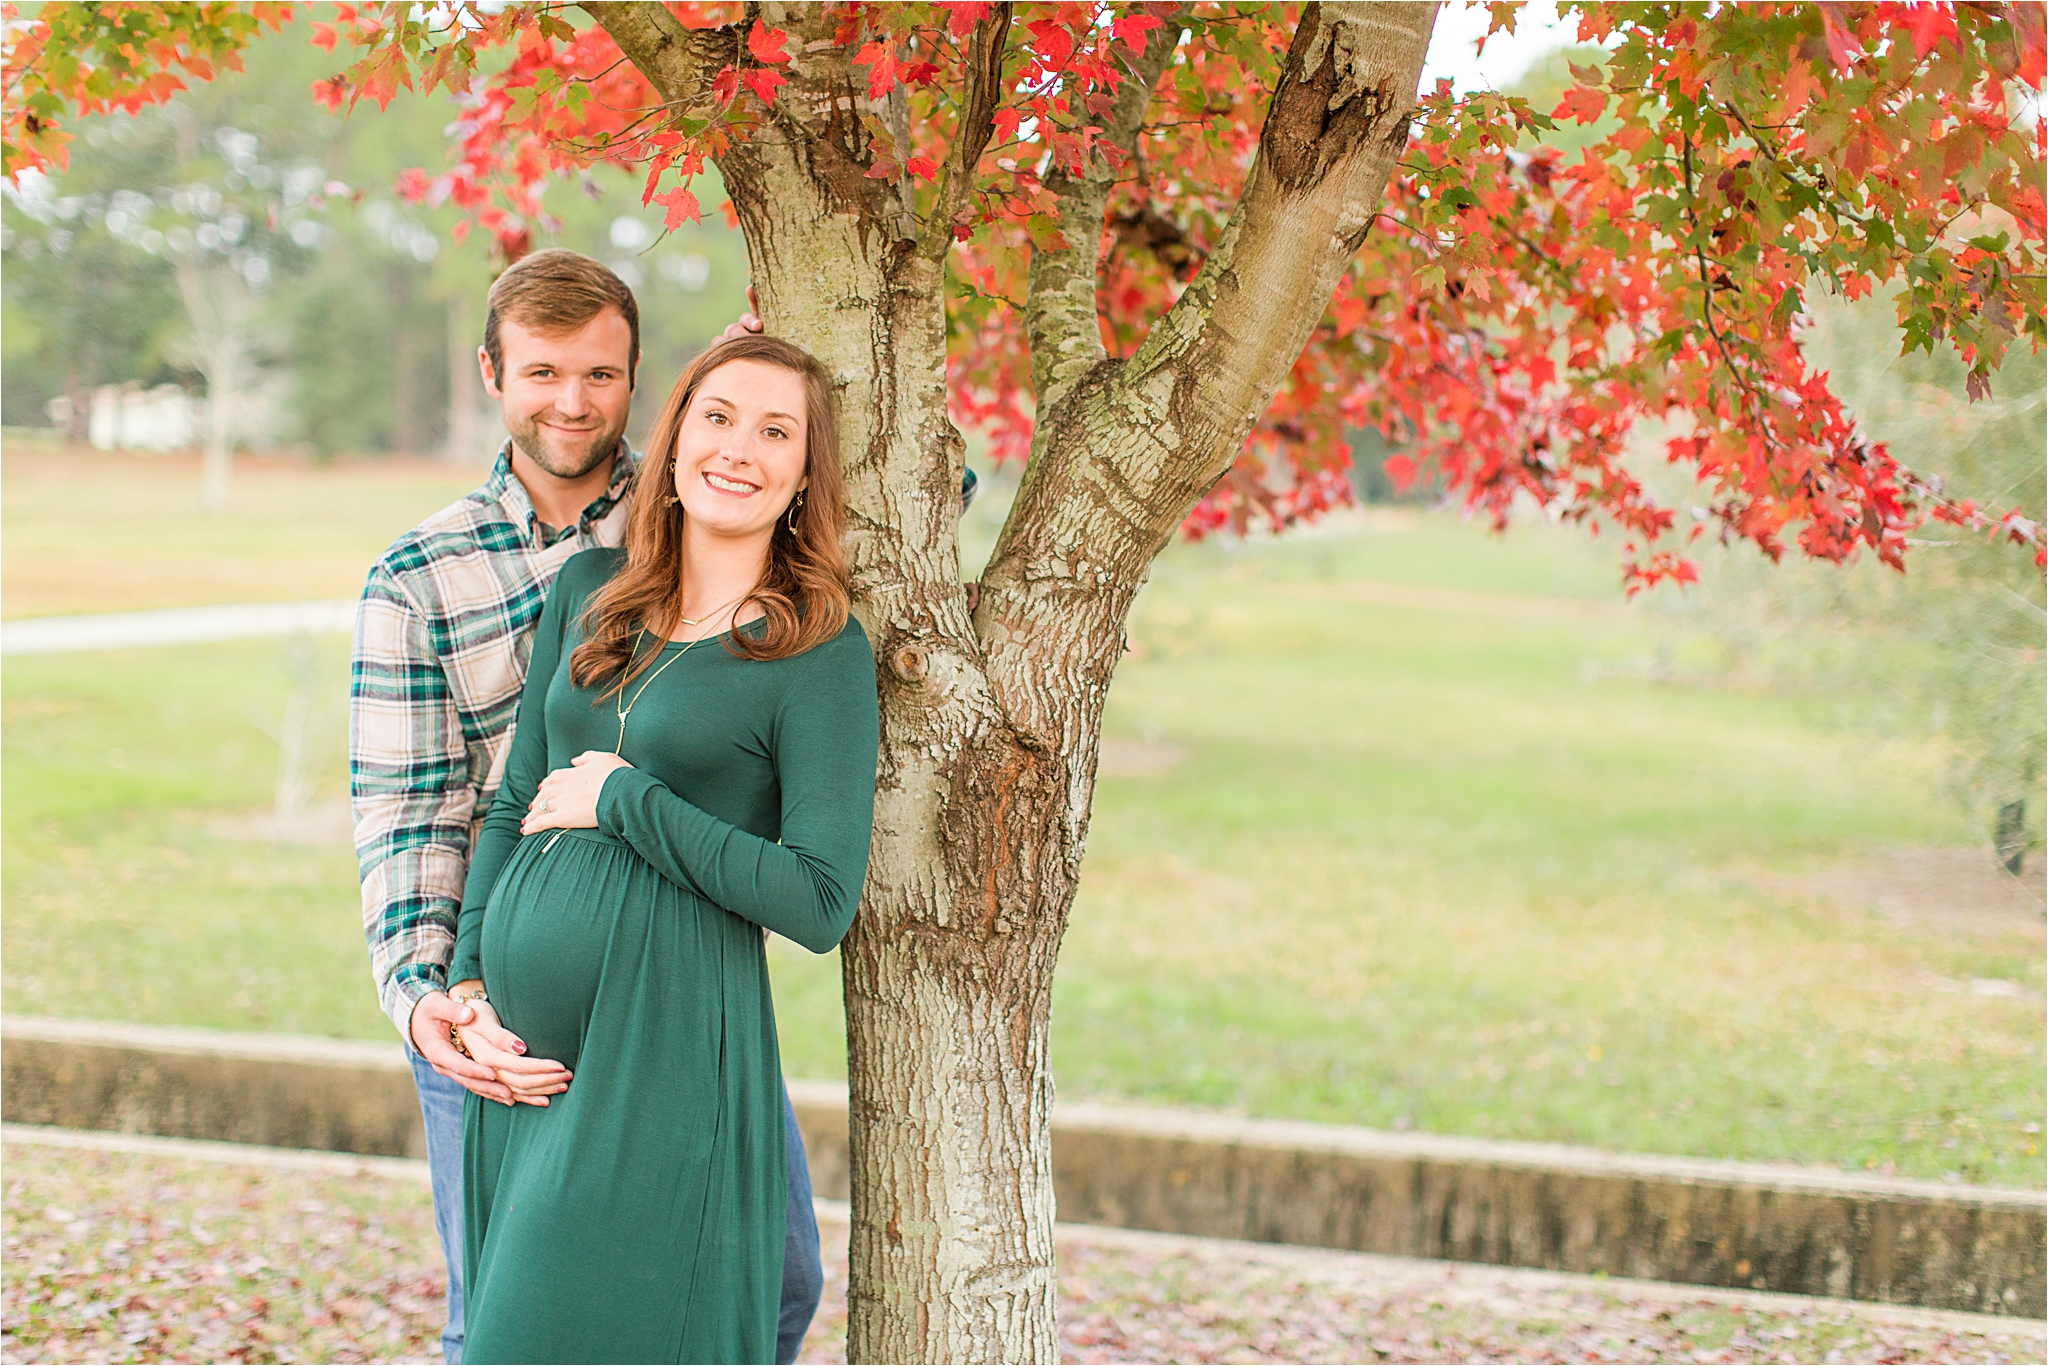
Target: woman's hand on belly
<point>567,799</point>
<point>531,1080</point>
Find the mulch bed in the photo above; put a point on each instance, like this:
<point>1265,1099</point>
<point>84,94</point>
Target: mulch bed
<point>123,1256</point>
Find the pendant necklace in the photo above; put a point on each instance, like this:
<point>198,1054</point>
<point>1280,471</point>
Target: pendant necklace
<point>625,708</point>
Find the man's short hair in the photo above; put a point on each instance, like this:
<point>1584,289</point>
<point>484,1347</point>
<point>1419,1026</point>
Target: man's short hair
<point>553,292</point>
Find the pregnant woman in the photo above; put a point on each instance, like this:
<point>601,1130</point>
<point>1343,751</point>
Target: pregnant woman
<point>694,762</point>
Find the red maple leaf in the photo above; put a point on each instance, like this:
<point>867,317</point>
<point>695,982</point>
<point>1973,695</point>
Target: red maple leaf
<point>1051,44</point>
<point>1581,103</point>
<point>681,205</point>
<point>1132,28</point>
<point>880,59</point>
<point>1842,45</point>
<point>767,44</point>
<point>962,17</point>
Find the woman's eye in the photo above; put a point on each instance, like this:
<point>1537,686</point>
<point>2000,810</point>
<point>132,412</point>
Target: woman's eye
<point>719,418</point>
<point>777,433</point>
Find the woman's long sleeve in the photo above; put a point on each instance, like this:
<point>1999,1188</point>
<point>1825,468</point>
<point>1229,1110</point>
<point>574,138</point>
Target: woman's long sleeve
<point>525,765</point>
<point>806,887</point>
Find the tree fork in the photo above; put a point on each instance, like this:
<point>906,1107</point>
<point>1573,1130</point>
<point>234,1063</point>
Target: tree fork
<point>1132,445</point>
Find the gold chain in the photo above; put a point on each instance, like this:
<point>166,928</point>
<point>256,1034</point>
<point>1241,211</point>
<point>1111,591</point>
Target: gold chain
<point>625,708</point>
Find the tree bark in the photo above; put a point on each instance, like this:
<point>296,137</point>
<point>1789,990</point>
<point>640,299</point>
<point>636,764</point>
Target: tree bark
<point>990,723</point>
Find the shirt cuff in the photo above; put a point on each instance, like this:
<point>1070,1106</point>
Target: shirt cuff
<point>406,989</point>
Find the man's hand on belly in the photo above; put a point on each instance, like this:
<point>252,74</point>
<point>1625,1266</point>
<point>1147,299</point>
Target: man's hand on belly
<point>567,799</point>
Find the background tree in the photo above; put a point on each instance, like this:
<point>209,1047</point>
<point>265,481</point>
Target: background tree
<point>84,307</point>
<point>371,309</point>
<point>1957,645</point>
<point>1166,254</point>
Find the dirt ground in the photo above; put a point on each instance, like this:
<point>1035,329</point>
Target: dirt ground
<point>1945,888</point>
<point>159,1251</point>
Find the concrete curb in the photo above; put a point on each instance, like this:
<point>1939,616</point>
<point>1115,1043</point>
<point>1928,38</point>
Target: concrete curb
<point>1723,1224</point>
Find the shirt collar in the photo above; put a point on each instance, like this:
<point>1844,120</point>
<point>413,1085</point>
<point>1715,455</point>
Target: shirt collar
<point>504,487</point>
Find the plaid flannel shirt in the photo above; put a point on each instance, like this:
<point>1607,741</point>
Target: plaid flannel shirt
<point>443,636</point>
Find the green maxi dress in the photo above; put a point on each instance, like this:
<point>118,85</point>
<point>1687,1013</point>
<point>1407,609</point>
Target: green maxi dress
<point>639,1216</point>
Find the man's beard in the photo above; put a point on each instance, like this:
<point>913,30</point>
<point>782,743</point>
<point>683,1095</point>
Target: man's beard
<point>562,459</point>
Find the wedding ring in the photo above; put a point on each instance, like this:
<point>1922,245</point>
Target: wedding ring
<point>547,804</point>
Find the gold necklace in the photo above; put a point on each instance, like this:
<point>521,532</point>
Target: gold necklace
<point>625,708</point>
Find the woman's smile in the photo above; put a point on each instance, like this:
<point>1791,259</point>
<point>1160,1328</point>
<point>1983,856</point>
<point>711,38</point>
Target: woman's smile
<point>726,484</point>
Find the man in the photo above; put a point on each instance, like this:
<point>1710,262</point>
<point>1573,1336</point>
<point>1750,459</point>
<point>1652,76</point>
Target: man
<point>443,636</point>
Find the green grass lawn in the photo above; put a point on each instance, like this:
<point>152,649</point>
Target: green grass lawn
<point>89,531</point>
<point>1392,838</point>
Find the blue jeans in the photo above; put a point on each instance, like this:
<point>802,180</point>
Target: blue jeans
<point>803,1273</point>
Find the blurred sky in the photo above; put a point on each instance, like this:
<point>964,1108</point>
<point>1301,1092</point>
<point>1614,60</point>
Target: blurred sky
<point>1459,27</point>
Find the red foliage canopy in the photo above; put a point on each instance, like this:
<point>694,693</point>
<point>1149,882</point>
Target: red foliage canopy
<point>1515,315</point>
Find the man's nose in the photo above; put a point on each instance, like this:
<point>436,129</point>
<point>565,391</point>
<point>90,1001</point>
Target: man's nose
<point>573,398</point>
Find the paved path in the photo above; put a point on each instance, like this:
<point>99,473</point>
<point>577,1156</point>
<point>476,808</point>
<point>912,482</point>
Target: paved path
<point>176,626</point>
<point>122,1246</point>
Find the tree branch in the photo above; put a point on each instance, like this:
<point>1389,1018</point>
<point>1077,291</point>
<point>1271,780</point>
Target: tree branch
<point>1060,309</point>
<point>679,62</point>
<point>977,124</point>
<point>1124,450</point>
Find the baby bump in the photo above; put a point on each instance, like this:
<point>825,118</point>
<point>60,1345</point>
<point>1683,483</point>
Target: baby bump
<point>546,937</point>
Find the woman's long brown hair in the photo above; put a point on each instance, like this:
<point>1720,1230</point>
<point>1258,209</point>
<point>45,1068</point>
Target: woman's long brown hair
<point>804,589</point>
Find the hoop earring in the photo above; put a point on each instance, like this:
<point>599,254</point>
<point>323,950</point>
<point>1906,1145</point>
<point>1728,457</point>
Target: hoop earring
<point>794,508</point>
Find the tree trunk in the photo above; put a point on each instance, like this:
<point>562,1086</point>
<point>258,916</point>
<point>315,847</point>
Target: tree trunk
<point>78,421</point>
<point>218,313</point>
<point>946,1020</point>
<point>2011,838</point>
<point>217,463</point>
<point>990,724</point>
